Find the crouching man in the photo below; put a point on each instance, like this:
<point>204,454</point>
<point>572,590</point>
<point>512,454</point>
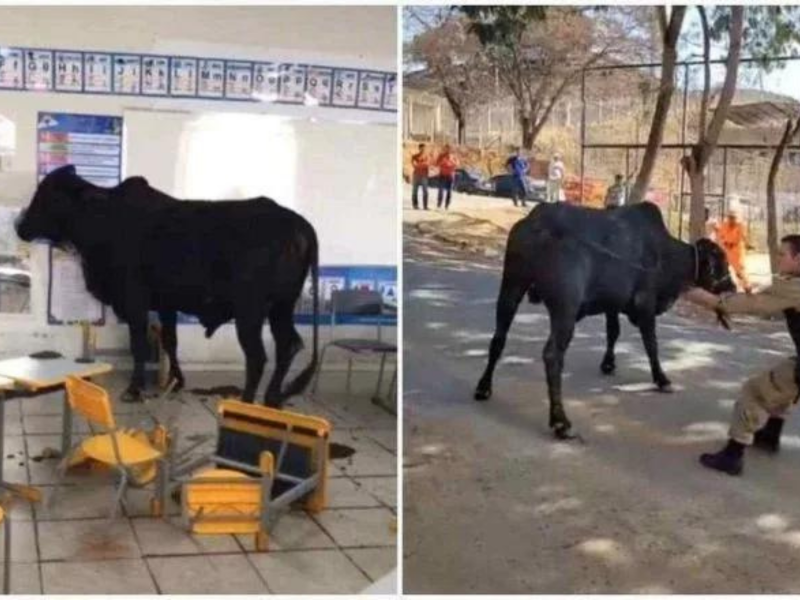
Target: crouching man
<point>766,398</point>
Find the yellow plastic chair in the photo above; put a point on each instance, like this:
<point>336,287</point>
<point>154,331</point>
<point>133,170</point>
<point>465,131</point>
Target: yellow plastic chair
<point>265,460</point>
<point>132,454</point>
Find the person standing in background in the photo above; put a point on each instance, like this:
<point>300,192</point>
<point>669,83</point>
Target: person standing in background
<point>555,178</point>
<point>446,164</point>
<point>421,164</point>
<point>733,239</point>
<point>615,196</point>
<point>518,166</point>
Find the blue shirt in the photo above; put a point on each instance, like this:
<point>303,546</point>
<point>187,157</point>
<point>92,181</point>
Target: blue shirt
<point>518,166</point>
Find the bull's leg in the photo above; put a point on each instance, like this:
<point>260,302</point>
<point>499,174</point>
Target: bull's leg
<point>248,330</point>
<point>511,294</point>
<point>647,327</point>
<point>287,344</point>
<point>561,330</point>
<point>137,326</point>
<point>169,341</point>
<point>609,365</point>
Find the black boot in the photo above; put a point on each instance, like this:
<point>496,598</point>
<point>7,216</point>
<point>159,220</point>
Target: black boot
<point>768,438</point>
<point>729,460</point>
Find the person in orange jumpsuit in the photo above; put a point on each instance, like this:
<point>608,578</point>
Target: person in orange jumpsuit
<point>733,239</point>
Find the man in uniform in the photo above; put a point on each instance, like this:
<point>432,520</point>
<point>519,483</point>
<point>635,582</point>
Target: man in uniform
<point>765,398</point>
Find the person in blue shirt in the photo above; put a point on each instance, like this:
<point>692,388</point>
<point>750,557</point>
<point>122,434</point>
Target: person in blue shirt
<point>518,166</point>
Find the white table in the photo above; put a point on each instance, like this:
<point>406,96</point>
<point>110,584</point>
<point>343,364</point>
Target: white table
<point>35,375</point>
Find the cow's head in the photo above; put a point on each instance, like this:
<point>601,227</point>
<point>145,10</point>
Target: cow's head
<point>712,272</point>
<point>52,207</point>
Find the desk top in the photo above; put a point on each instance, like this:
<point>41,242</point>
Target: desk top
<point>6,384</point>
<point>35,374</point>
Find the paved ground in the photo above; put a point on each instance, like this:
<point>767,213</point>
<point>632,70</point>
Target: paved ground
<point>494,504</point>
<point>74,550</point>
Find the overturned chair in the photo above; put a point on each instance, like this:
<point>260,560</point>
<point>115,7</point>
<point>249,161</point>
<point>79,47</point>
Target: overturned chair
<point>265,460</point>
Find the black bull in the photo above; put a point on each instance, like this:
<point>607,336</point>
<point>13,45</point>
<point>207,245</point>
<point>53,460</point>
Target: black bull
<point>143,250</point>
<point>581,262</point>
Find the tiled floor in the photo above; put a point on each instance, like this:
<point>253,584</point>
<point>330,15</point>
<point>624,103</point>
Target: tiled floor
<point>74,549</point>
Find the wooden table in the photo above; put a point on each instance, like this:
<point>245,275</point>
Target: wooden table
<point>36,375</point>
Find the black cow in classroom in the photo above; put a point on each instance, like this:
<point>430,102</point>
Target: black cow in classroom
<point>143,250</point>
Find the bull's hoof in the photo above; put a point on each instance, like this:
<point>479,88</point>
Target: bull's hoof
<point>563,431</point>
<point>131,396</point>
<point>482,395</point>
<point>665,387</point>
<point>607,367</point>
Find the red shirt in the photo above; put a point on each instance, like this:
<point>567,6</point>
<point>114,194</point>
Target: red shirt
<point>447,165</point>
<point>421,164</point>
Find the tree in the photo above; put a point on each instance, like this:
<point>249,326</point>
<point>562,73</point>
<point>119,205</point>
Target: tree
<point>708,136</point>
<point>669,31</point>
<point>789,133</point>
<point>540,52</point>
<point>771,31</point>
<point>454,61</point>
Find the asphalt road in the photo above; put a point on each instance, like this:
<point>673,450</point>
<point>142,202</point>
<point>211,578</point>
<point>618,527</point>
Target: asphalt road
<point>493,504</point>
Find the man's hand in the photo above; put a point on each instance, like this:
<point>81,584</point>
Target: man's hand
<point>709,301</point>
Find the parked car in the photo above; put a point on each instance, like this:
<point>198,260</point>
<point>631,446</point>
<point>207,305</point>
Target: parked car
<point>503,186</point>
<point>467,181</point>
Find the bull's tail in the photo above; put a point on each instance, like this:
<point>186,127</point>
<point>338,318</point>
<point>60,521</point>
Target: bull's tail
<point>533,295</point>
<point>300,383</point>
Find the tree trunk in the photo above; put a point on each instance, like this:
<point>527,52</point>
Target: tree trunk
<point>528,134</point>
<point>695,164</point>
<point>697,204</point>
<point>665,92</point>
<point>772,213</point>
<point>462,125</point>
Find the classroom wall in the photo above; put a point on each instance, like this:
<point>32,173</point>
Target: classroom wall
<point>339,171</point>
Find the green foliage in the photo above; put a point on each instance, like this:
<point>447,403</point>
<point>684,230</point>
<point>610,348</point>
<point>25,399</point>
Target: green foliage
<point>769,31</point>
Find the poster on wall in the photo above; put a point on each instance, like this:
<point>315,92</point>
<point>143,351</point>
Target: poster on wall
<point>265,82</point>
<point>345,88</point>
<point>155,75</point>
<point>11,68</point>
<point>212,79</point>
<point>38,70</point>
<point>93,144</point>
<point>239,80</point>
<point>184,77</point>
<point>390,93</point>
<point>69,72</point>
<point>293,83</point>
<point>127,72</point>
<point>320,81</point>
<point>97,73</point>
<point>370,90</point>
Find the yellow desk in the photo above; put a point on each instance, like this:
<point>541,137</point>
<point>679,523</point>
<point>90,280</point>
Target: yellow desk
<point>36,375</point>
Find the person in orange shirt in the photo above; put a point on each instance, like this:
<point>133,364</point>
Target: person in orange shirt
<point>733,239</point>
<point>421,164</point>
<point>447,164</point>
